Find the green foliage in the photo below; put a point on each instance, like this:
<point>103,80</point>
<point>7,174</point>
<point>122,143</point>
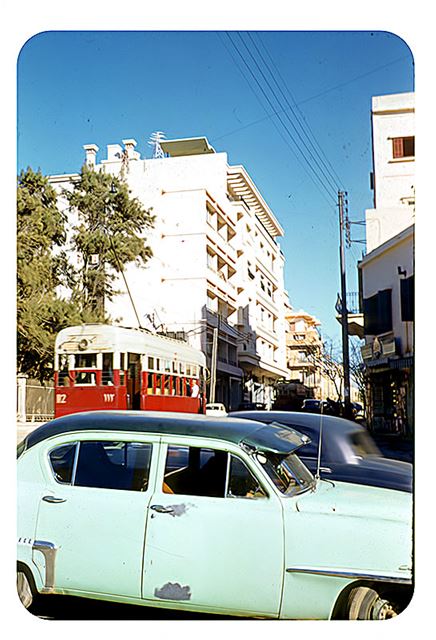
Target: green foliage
<point>40,313</point>
<point>110,224</point>
<point>109,229</point>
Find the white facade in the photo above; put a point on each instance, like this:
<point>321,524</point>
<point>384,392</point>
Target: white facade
<point>393,130</point>
<point>390,225</point>
<point>216,262</point>
<point>387,270</point>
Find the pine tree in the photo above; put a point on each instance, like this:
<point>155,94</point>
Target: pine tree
<point>109,234</point>
<point>40,270</point>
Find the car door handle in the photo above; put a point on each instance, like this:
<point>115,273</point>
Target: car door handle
<point>53,499</point>
<point>161,509</point>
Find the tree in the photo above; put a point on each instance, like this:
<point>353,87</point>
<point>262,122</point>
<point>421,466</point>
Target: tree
<point>40,312</point>
<point>325,358</point>
<point>108,235</point>
<point>358,371</point>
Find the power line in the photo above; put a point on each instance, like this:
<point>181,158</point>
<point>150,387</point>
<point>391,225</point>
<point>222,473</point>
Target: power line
<point>327,177</point>
<point>326,161</point>
<point>262,104</point>
<point>315,174</point>
<point>310,98</point>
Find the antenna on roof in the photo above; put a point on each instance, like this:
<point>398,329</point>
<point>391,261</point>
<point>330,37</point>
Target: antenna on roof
<point>155,139</point>
<point>318,463</point>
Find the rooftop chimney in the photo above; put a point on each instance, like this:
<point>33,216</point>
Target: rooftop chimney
<point>129,146</point>
<point>90,154</point>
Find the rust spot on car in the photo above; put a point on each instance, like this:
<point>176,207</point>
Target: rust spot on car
<point>178,510</point>
<point>173,591</point>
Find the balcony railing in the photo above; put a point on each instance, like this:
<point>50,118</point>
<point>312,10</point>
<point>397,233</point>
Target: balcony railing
<point>353,302</point>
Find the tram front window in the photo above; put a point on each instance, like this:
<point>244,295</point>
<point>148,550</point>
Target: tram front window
<point>85,360</point>
<point>85,377</point>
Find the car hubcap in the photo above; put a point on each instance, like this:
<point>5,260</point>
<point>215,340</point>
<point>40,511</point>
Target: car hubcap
<point>383,610</point>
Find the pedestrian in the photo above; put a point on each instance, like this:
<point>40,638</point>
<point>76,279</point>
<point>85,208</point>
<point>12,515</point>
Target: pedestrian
<point>195,389</point>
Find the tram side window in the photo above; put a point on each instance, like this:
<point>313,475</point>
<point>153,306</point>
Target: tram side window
<point>63,375</point>
<point>122,369</point>
<point>149,383</point>
<point>107,376</point>
<point>167,385</point>
<point>158,384</point>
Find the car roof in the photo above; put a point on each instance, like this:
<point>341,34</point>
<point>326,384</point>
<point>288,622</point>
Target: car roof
<point>272,438</point>
<point>334,424</point>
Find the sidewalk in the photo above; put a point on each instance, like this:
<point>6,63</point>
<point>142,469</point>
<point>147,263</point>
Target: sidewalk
<point>23,428</point>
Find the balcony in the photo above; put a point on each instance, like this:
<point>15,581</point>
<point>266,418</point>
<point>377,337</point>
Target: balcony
<point>354,315</point>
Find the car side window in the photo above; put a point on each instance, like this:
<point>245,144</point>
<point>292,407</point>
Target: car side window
<point>113,465</point>
<point>195,471</point>
<point>62,462</point>
<point>201,471</point>
<point>242,483</point>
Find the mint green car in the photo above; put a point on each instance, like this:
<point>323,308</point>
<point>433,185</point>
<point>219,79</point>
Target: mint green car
<point>204,514</point>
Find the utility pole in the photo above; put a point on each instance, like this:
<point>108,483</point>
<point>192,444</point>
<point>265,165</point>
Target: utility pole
<point>344,312</point>
<point>213,365</point>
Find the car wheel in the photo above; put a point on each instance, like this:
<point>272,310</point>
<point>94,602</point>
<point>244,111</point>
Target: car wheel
<point>24,589</point>
<point>368,604</point>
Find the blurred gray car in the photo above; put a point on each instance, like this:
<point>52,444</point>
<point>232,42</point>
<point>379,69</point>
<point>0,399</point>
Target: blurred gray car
<point>348,452</point>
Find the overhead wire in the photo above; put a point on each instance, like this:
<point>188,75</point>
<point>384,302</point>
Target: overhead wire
<point>309,98</point>
<point>331,181</point>
<point>314,175</point>
<point>310,136</point>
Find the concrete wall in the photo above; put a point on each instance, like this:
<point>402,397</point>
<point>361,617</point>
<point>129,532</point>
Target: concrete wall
<point>393,116</point>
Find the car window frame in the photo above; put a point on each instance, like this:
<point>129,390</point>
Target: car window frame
<point>185,441</point>
<point>103,436</point>
<point>73,470</point>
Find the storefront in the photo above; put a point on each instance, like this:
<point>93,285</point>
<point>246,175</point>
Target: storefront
<point>391,395</point>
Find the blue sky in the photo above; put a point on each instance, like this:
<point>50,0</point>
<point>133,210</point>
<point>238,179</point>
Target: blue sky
<point>300,139</point>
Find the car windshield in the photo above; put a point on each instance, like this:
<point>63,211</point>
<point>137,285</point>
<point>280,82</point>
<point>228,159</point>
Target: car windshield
<point>288,473</point>
<point>363,445</point>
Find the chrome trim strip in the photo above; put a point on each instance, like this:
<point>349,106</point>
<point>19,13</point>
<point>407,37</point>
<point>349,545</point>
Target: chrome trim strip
<point>353,575</point>
<point>48,550</point>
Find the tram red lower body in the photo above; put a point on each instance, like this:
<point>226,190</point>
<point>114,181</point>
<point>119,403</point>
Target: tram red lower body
<point>77,399</point>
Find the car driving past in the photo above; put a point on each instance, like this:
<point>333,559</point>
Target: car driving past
<point>348,453</point>
<point>171,510</point>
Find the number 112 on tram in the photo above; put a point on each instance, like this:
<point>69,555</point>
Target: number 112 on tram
<point>109,367</point>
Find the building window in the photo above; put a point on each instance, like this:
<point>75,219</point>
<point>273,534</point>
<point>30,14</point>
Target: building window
<point>403,147</point>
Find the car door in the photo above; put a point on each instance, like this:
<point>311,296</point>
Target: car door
<point>214,533</point>
<point>93,513</point>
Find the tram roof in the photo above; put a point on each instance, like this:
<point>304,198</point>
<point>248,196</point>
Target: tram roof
<point>275,438</point>
<point>105,337</point>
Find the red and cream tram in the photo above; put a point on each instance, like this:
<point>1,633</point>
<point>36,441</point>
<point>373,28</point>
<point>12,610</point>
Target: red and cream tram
<point>109,367</point>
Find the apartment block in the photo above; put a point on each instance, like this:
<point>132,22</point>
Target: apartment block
<point>217,268</point>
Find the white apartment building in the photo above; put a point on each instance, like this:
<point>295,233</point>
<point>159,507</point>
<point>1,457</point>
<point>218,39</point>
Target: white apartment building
<point>387,271</point>
<point>217,268</point>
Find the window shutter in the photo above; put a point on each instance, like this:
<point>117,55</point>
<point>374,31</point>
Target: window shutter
<point>385,311</point>
<point>397,146</point>
<point>407,299</point>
